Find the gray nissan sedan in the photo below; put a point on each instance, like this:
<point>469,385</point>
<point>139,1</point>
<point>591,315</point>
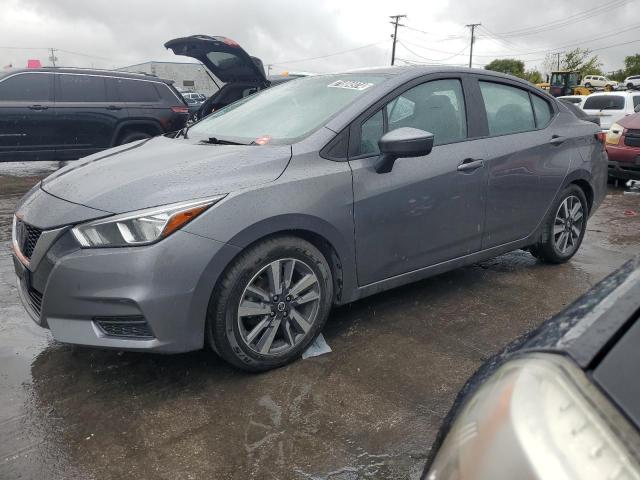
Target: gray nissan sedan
<point>242,231</point>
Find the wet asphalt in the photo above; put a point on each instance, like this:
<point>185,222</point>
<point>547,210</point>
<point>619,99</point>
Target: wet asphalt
<point>370,409</point>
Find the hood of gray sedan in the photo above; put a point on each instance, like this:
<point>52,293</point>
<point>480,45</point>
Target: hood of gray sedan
<point>163,170</point>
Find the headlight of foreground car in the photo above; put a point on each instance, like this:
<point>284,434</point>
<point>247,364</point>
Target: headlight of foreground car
<point>142,227</point>
<point>537,417</point>
<point>614,133</point>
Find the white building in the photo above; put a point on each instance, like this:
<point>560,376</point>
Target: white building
<point>188,77</point>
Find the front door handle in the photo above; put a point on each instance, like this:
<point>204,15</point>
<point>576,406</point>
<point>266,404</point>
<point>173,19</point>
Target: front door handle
<point>557,140</point>
<point>114,107</point>
<point>38,107</point>
<point>470,164</point>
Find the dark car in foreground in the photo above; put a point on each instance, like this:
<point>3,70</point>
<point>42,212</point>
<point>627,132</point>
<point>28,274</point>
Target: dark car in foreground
<point>67,113</point>
<point>244,229</point>
<point>623,147</point>
<point>561,403</point>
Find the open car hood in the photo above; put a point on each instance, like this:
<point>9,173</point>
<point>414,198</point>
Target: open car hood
<point>224,57</point>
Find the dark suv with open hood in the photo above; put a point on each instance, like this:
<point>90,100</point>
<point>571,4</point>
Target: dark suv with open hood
<point>68,113</point>
<point>242,74</point>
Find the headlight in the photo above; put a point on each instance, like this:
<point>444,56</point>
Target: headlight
<point>538,417</point>
<point>142,227</point>
<point>614,133</point>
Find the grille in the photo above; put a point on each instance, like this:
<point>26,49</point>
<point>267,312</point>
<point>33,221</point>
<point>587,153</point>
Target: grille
<point>130,327</point>
<point>35,299</point>
<point>27,237</point>
<point>632,138</point>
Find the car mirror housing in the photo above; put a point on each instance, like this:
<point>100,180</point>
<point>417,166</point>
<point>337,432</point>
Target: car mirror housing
<point>401,143</point>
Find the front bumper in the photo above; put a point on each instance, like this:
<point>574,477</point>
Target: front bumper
<point>168,285</point>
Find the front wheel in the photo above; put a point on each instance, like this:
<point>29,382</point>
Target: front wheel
<point>564,227</point>
<point>270,304</point>
<point>588,85</point>
<point>630,86</point>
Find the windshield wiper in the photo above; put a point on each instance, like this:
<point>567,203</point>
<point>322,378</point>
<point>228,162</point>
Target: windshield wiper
<point>219,141</point>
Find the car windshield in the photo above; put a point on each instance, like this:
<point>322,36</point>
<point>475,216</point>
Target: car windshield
<point>604,102</point>
<point>286,113</point>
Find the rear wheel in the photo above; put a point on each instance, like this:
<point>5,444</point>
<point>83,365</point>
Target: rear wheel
<point>270,304</point>
<point>564,227</point>
<point>132,137</point>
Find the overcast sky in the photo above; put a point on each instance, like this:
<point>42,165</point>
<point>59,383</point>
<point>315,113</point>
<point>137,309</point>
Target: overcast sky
<point>116,33</point>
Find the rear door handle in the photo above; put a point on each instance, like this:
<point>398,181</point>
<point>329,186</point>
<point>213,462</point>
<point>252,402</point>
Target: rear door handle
<point>38,107</point>
<point>470,164</point>
<point>114,107</point>
<point>557,140</point>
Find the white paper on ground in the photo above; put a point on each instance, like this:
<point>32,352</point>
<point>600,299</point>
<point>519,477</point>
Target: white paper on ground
<point>317,348</point>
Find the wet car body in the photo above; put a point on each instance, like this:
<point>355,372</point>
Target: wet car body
<point>597,335</point>
<point>375,229</point>
<point>623,148</point>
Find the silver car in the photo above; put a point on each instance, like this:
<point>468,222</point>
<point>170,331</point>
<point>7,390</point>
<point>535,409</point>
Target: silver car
<point>241,232</point>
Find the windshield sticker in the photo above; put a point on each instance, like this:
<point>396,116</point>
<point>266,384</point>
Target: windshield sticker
<point>350,85</point>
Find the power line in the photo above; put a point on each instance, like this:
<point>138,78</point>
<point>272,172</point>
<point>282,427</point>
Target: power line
<point>433,59</point>
<point>396,23</point>
<point>568,20</point>
<point>285,62</point>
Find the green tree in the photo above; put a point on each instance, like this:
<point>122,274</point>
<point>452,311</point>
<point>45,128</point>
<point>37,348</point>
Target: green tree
<point>632,65</point>
<point>534,76</point>
<point>581,60</point>
<point>510,66</point>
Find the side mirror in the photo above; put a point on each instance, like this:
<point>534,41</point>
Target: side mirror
<point>401,143</point>
<point>593,119</point>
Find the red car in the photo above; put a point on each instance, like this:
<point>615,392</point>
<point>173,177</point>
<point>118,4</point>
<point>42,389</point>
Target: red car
<point>623,148</point>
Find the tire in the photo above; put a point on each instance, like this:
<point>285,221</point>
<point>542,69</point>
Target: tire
<point>588,85</point>
<point>630,86</point>
<point>247,340</point>
<point>561,237</point>
<point>133,136</point>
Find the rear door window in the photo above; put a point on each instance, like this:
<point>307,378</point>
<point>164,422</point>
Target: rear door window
<point>26,87</point>
<point>542,110</point>
<point>508,109</point>
<point>136,91</point>
<point>81,88</point>
<point>604,102</point>
<point>636,101</point>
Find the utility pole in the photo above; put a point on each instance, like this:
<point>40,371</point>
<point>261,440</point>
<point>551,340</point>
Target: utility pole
<point>472,26</point>
<point>396,24</point>
<point>558,54</point>
<point>53,56</point>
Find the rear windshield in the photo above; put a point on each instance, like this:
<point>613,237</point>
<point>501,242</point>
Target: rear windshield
<point>604,102</point>
<point>287,112</point>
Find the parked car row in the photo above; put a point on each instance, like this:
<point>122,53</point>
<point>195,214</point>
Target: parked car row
<point>618,114</point>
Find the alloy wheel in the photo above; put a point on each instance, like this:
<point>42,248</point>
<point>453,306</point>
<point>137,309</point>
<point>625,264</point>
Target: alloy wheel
<point>568,225</point>
<point>279,306</point>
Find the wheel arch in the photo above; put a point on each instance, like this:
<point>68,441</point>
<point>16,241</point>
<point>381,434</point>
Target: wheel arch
<point>581,178</point>
<point>152,127</point>
<point>325,237</point>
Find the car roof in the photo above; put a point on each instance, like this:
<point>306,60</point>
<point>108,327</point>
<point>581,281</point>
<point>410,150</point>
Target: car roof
<point>414,71</point>
<point>88,71</point>
<point>624,92</point>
